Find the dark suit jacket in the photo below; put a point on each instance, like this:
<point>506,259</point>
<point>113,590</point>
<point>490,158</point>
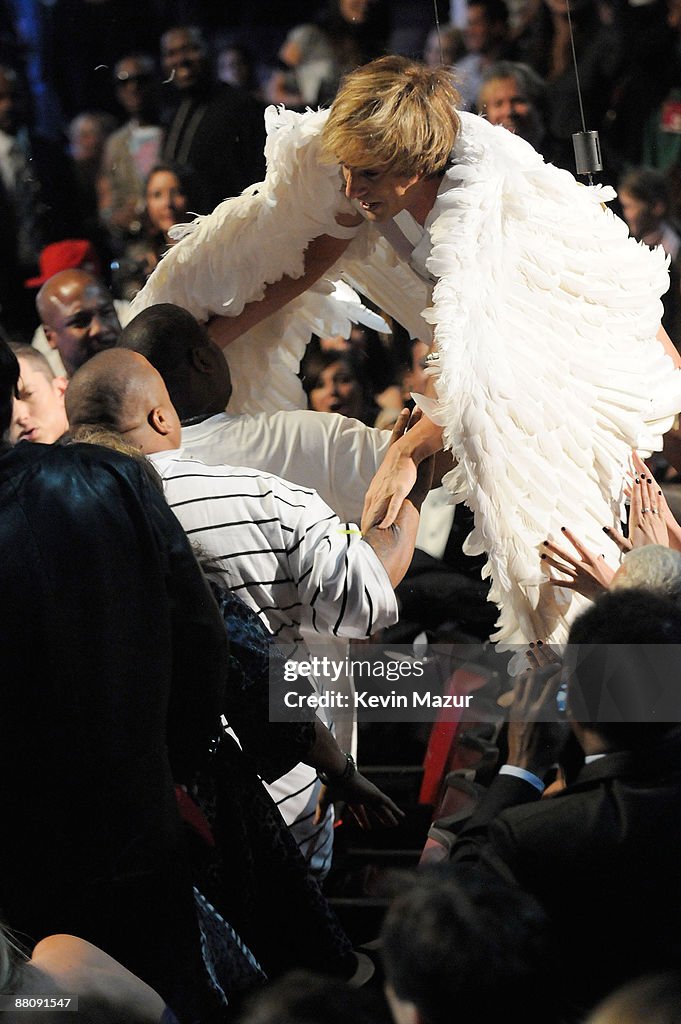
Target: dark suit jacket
<point>220,136</point>
<point>113,660</point>
<point>603,857</point>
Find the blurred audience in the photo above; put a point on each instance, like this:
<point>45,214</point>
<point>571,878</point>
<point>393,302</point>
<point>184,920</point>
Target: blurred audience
<point>236,66</point>
<point>88,133</point>
<point>132,150</point>
<point>488,39</point>
<point>444,46</point>
<point>546,46</point>
<point>37,201</point>
<point>513,94</point>
<point>303,997</point>
<point>346,34</point>
<point>214,130</point>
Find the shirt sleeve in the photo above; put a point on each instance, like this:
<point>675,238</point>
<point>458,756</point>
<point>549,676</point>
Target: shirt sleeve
<point>342,583</point>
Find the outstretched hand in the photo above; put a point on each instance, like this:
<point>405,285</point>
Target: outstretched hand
<point>646,522</point>
<point>587,574</point>
<point>535,734</point>
<point>363,799</point>
<point>414,438</point>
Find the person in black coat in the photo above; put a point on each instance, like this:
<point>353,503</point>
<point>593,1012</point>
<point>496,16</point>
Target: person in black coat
<point>602,855</point>
<point>214,130</point>
<point>114,657</point>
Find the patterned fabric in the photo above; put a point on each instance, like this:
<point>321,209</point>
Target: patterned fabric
<point>230,964</point>
<point>255,877</point>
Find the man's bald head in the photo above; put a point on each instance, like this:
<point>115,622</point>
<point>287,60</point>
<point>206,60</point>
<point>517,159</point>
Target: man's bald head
<point>192,366</point>
<point>122,391</point>
<point>78,316</point>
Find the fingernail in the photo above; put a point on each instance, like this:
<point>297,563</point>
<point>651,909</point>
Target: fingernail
<point>542,556</point>
<point>531,645</point>
<point>637,480</point>
<point>607,529</point>
<point>563,529</point>
<point>545,542</point>
<point>659,492</point>
<point>540,643</point>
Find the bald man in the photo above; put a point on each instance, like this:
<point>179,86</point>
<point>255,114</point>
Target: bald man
<point>78,316</point>
<point>288,555</point>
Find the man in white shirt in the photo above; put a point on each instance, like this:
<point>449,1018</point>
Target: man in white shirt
<point>335,455</point>
<point>277,544</point>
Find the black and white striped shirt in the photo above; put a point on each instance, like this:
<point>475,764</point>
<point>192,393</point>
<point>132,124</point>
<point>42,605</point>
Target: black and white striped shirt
<point>281,548</point>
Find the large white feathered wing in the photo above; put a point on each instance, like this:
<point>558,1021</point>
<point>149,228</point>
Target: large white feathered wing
<point>224,260</point>
<point>545,317</point>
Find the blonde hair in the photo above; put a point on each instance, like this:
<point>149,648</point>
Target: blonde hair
<point>106,437</point>
<point>396,114</point>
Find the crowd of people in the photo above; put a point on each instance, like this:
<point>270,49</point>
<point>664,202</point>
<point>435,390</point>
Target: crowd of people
<point>367,365</point>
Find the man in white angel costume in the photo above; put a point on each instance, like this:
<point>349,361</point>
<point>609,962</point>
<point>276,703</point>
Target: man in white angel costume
<point>545,315</point>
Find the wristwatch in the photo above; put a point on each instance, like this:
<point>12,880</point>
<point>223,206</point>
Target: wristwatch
<point>347,773</point>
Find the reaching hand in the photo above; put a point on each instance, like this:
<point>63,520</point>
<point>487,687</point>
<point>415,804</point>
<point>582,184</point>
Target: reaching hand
<point>646,523</point>
<point>540,655</point>
<point>588,574</point>
<point>535,734</point>
<point>360,797</point>
<point>654,498</point>
<point>397,474</point>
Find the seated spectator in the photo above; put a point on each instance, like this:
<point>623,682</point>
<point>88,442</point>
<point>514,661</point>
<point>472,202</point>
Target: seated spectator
<point>611,840</point>
<point>454,945</point>
<point>66,967</point>
<point>78,317</point>
<point>512,94</point>
<point>166,202</point>
<point>332,384</point>
<point>69,254</point>
<point>644,196</point>
<point>132,150</point>
<point>38,412</point>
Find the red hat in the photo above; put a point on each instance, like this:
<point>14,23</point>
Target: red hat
<point>71,254</point>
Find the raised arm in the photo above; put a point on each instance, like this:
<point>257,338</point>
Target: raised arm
<point>321,253</point>
<point>397,475</point>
